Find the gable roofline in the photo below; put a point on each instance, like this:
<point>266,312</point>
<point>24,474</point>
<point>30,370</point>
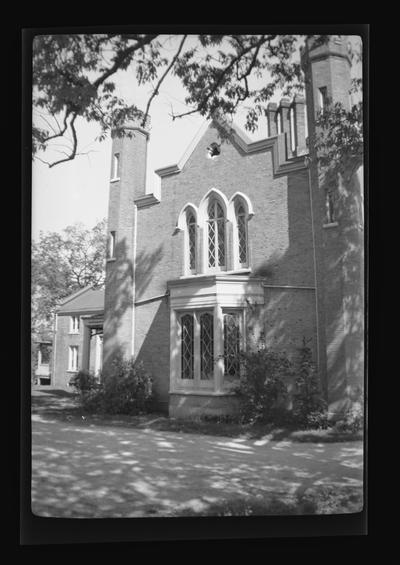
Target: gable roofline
<point>276,143</point>
<point>77,293</point>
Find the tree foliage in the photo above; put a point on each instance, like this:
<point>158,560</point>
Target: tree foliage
<point>74,75</point>
<point>339,139</point>
<point>62,263</point>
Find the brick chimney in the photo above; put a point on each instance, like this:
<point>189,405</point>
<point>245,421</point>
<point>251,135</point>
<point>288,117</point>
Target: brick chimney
<point>298,107</point>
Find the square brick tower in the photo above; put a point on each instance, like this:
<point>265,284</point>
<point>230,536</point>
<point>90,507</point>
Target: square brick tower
<point>337,205</point>
<point>127,183</point>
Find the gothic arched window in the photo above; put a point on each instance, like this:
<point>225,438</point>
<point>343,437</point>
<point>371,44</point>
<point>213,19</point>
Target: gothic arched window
<point>241,225</point>
<point>216,235</point>
<point>191,241</point>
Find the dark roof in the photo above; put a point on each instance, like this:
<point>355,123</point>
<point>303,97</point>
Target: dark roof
<point>85,300</point>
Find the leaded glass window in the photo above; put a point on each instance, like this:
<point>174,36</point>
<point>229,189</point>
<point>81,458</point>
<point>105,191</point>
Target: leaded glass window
<point>242,233</point>
<point>216,235</point>
<point>206,346</point>
<point>231,344</point>
<point>191,225</point>
<point>187,346</point>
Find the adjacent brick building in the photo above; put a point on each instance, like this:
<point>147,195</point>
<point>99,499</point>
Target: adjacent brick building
<point>78,336</point>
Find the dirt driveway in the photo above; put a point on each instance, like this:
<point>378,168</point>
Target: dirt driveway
<point>81,469</point>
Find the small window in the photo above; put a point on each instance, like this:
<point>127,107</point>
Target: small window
<point>279,124</point>
<point>74,324</point>
<point>241,221</point>
<point>232,340</point>
<point>323,98</point>
<point>191,231</point>
<point>115,170</point>
<point>111,249</point>
<point>292,130</point>
<point>73,358</point>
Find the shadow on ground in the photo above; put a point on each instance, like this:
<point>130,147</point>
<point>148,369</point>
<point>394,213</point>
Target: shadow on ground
<point>92,470</point>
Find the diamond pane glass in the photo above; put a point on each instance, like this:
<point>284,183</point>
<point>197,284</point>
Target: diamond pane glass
<point>231,344</point>
<point>211,210</point>
<point>187,347</point>
<point>192,242</point>
<point>207,346</point>
<point>242,239</point>
<point>221,242</point>
<point>216,234</point>
<point>211,244</point>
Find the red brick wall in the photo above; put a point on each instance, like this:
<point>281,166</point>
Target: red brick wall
<point>280,240</point>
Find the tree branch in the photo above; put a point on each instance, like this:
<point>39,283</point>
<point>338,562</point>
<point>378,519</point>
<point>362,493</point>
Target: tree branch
<point>217,83</point>
<point>74,146</point>
<point>156,90</point>
<point>121,57</point>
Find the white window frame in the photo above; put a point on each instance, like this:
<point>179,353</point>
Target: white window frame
<point>322,97</point>
<point>116,164</point>
<point>216,268</point>
<point>188,269</point>
<point>111,244</point>
<point>74,324</point>
<point>73,352</point>
<point>241,312</point>
<point>197,382</point>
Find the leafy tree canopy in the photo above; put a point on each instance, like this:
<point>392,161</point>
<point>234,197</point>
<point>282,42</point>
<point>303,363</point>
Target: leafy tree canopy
<point>62,263</point>
<point>75,75</point>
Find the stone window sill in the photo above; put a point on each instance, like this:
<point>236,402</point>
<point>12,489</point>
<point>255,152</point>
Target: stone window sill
<point>331,225</point>
<point>111,259</point>
<point>185,392</point>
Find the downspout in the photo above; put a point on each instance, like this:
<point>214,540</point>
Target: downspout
<point>54,349</point>
<point>307,163</point>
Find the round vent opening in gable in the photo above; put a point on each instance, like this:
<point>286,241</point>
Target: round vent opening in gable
<point>213,150</point>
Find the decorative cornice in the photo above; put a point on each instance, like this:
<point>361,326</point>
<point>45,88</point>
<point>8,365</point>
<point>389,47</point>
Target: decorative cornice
<point>146,200</point>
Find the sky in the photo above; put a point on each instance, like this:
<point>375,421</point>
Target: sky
<point>77,191</point>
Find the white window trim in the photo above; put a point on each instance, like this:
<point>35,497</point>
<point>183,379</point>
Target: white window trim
<point>116,164</point>
<point>74,327</point>
<point>73,352</point>
<point>232,259</point>
<point>112,239</point>
<point>219,294</point>
<point>248,207</point>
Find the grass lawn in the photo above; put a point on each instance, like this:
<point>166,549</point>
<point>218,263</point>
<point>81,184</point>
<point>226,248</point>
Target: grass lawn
<point>65,406</point>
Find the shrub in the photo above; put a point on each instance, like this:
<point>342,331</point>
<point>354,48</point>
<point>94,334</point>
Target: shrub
<point>353,419</point>
<point>84,382</point>
<point>262,390</point>
<point>128,389</point>
<point>309,408</point>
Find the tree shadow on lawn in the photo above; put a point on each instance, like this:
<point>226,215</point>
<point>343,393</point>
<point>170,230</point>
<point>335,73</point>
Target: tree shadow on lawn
<point>65,406</point>
<point>89,472</point>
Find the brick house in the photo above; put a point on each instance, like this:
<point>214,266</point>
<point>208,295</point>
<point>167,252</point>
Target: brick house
<point>237,240</point>
<point>78,336</point>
